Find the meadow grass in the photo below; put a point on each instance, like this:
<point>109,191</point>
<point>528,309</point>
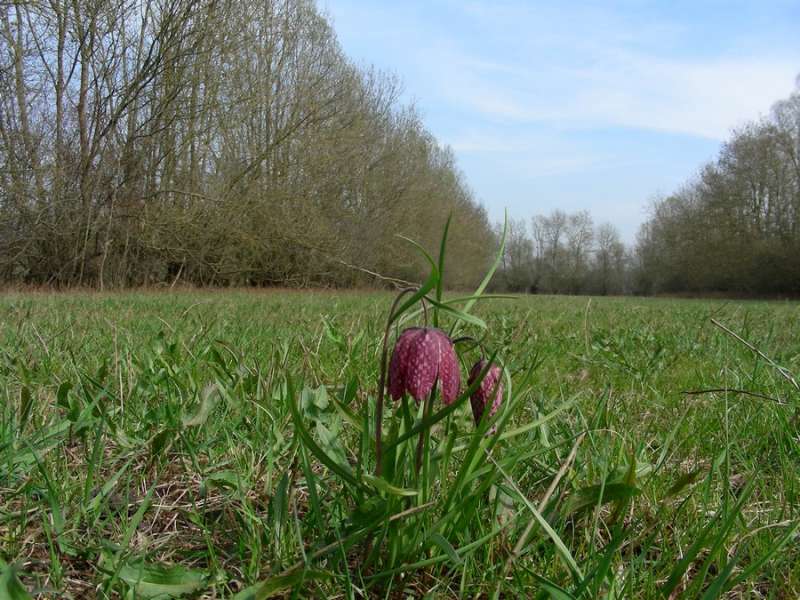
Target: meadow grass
<point>148,448</point>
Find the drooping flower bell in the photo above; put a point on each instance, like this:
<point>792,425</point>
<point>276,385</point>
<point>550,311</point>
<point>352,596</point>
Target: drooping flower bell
<point>422,357</point>
<point>491,385</point>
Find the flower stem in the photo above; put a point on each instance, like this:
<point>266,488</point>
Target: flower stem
<point>382,383</point>
<point>422,434</point>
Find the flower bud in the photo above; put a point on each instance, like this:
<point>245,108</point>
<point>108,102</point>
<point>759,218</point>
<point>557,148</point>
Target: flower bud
<point>490,388</point>
<point>422,357</point>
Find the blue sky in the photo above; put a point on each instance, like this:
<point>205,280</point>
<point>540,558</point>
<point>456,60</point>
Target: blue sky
<point>579,105</point>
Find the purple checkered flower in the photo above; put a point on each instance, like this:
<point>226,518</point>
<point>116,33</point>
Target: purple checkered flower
<point>421,357</point>
<point>492,382</point>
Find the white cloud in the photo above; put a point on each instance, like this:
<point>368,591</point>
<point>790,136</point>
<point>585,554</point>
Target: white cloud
<point>533,95</point>
<point>576,64</point>
<point>527,156</point>
<point>474,141</point>
<point>582,65</point>
<point>705,98</point>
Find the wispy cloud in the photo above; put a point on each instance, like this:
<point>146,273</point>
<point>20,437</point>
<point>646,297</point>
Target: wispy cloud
<point>580,104</point>
<point>579,65</point>
<point>704,97</point>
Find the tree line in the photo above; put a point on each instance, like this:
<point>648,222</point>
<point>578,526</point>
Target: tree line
<point>232,142</point>
<point>563,253</point>
<point>215,142</point>
<point>732,229</point>
<point>735,227</point>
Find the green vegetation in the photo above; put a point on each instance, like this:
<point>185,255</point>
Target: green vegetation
<point>209,444</point>
<point>147,445</point>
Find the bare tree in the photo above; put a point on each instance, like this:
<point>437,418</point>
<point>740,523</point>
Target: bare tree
<point>218,142</point>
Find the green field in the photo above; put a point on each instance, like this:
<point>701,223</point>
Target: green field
<point>148,446</point>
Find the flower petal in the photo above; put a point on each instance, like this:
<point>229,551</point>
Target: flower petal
<point>449,371</point>
<point>491,385</point>
<point>497,386</point>
<point>397,386</point>
<point>421,365</point>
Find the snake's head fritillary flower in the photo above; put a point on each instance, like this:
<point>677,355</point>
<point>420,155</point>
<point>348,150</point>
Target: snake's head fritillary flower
<point>490,389</point>
<point>422,357</point>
